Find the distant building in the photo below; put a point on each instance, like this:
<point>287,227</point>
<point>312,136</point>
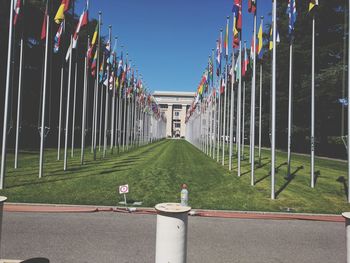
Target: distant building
<point>174,105</point>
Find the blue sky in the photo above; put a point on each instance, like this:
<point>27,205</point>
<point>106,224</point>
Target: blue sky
<point>169,41</point>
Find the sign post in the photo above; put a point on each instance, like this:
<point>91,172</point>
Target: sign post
<point>124,189</point>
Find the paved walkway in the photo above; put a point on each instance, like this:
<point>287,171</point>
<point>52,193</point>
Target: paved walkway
<point>117,237</point>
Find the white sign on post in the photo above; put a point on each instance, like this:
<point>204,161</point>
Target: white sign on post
<point>124,189</point>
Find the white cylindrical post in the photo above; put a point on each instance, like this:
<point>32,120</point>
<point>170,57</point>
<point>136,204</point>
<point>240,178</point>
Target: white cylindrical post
<point>60,117</point>
<point>349,111</point>
<point>346,215</point>
<point>290,101</point>
<point>2,201</point>
<point>313,107</point>
<point>171,241</point>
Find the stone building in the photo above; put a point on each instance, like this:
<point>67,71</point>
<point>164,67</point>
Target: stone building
<point>174,105</point>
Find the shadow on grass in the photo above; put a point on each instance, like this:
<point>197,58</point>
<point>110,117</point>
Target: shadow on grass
<point>317,175</point>
<point>341,179</point>
<point>288,180</point>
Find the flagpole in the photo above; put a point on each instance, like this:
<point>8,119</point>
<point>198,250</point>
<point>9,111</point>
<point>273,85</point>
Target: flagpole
<point>252,182</point>
<point>83,119</point>
<point>19,101</point>
<point>67,107</point>
<point>260,104</point>
<point>42,130</point>
<point>290,94</point>
<point>232,111</point>
<point>7,90</point>
<point>113,103</point>
<point>239,102</point>
<point>313,106</point>
<point>243,118</point>
<point>60,116</point>
<point>273,121</point>
<point>107,99</point>
<point>74,102</point>
<point>348,109</point>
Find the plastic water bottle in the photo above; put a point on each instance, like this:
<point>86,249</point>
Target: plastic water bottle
<point>184,195</point>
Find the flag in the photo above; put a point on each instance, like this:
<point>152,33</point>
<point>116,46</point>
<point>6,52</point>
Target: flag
<point>246,63</point>
<point>94,65</point>
<point>93,42</point>
<point>83,21</point>
<point>223,85</point>
<point>218,55</point>
<point>312,5</point>
<point>61,10</point>
<point>260,47</point>
<point>252,6</point>
<point>226,39</point>
<point>237,10</point>
<point>17,10</point>
<point>43,28</point>
<point>343,101</point>
<point>292,13</point>
<point>271,38</point>
<point>237,69</point>
<point>58,37</point>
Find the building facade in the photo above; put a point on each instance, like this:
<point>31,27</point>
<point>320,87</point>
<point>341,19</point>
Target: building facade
<point>174,105</point>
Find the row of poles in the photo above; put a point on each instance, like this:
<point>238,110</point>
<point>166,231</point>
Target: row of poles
<point>131,119</point>
<point>211,121</point>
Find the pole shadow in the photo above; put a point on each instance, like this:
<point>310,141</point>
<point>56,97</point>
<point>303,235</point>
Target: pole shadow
<point>341,179</point>
<point>289,179</point>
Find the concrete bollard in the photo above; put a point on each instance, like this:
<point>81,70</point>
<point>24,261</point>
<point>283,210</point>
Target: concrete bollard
<point>346,215</point>
<point>171,241</point>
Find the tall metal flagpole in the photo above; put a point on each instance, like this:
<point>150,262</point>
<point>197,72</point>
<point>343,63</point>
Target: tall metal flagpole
<point>349,109</point>
<point>97,83</point>
<point>290,92</point>
<point>273,121</point>
<point>243,118</point>
<point>4,127</point>
<point>42,129</point>
<point>239,116</point>
<point>19,101</point>
<point>252,137</point>
<point>60,116</point>
<point>232,110</point>
<point>313,106</point>
<point>224,107</point>
<point>260,104</point>
<point>83,120</point>
<point>107,100</point>
<point>113,102</point>
<point>68,102</point>
<point>74,102</point>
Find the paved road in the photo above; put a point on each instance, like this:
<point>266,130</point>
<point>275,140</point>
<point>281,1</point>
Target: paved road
<point>111,237</point>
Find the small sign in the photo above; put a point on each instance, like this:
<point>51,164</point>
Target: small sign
<point>124,189</point>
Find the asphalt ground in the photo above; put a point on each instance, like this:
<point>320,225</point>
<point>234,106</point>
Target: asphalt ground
<point>116,237</point>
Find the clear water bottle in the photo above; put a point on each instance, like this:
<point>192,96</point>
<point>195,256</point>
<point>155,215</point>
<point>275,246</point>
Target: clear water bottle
<point>184,195</point>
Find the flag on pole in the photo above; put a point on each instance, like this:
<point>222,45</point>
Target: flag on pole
<point>61,10</point>
<point>260,47</point>
<point>43,28</point>
<point>312,5</point>
<point>17,10</point>
<point>271,38</point>
<point>237,9</point>
<point>94,65</point>
<point>93,43</point>
<point>58,37</point>
<point>223,85</point>
<point>292,13</point>
<point>252,6</point>
<point>226,39</point>
<point>218,56</point>
<point>246,63</point>
<point>83,21</point>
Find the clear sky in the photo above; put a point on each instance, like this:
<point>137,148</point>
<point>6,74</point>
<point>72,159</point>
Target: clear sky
<point>169,41</point>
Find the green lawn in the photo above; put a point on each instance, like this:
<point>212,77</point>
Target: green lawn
<point>154,174</point>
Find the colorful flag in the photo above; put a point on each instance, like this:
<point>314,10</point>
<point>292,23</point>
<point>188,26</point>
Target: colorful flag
<point>94,65</point>
<point>58,37</point>
<point>223,85</point>
<point>260,47</point>
<point>43,28</point>
<point>17,9</point>
<point>246,63</point>
<point>226,39</point>
<point>312,5</point>
<point>83,21</point>
<point>93,42</point>
<point>292,13</point>
<point>252,6</point>
<point>237,10</point>
<point>61,10</point>
<point>271,38</point>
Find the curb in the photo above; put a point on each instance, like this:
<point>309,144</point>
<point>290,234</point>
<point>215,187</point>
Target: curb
<point>52,208</point>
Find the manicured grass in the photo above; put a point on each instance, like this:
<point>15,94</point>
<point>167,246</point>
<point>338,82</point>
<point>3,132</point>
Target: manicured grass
<point>154,174</point>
